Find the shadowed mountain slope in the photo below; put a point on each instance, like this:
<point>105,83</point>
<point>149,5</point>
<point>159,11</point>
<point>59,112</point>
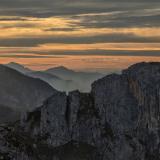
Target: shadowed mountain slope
<point>20,92</point>
<point>118,120</point>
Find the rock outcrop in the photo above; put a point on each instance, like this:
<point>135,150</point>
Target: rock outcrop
<point>118,120</point>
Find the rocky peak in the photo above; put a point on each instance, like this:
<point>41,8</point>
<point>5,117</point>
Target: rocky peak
<point>120,118</point>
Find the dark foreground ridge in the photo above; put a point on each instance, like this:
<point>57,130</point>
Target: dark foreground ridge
<point>118,120</point>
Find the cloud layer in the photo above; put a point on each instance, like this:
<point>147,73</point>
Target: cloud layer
<point>36,28</point>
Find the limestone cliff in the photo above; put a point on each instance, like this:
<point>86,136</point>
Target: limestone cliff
<point>118,120</point>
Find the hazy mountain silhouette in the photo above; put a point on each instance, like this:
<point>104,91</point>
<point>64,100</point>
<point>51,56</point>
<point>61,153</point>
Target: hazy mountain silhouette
<point>82,79</point>
<point>61,78</point>
<point>66,73</point>
<point>54,81</point>
<point>18,67</point>
<point>20,92</point>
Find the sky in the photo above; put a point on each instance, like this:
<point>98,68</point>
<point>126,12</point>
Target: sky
<point>95,35</point>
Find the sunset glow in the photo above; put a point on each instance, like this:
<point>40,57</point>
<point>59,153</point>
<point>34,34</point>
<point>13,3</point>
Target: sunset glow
<point>96,35</point>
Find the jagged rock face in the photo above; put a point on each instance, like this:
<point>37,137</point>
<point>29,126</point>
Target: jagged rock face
<point>55,111</point>
<point>118,112</point>
<point>74,117</point>
<point>129,103</point>
<point>15,144</point>
<point>120,118</point>
<point>144,82</point>
<point>82,118</point>
<point>40,122</point>
<point>117,106</point>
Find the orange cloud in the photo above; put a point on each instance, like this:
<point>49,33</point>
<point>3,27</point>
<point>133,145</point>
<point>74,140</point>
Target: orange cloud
<point>99,63</point>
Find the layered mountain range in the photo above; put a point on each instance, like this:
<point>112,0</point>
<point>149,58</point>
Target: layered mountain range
<point>23,89</point>
<point>118,120</point>
<point>61,78</point>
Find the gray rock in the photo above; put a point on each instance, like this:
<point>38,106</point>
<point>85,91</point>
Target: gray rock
<point>118,120</point>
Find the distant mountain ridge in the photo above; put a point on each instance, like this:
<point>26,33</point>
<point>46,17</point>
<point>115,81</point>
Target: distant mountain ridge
<point>61,78</point>
<point>54,81</point>
<point>66,73</point>
<point>18,67</point>
<point>82,79</point>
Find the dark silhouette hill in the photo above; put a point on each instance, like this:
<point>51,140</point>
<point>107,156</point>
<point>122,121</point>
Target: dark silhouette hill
<point>20,92</point>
